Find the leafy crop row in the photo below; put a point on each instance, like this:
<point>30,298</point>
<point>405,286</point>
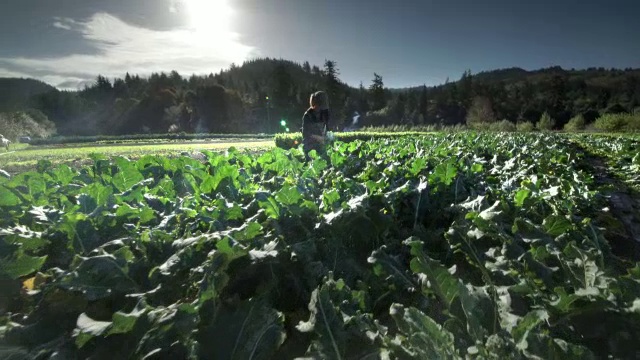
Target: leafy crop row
<point>623,155</point>
<point>58,140</point>
<point>293,140</point>
<point>438,246</point>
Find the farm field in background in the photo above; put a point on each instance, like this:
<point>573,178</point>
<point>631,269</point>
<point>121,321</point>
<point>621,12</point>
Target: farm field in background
<point>459,245</point>
<point>23,157</point>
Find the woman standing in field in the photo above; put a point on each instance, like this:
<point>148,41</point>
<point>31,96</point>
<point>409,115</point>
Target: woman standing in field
<point>315,124</point>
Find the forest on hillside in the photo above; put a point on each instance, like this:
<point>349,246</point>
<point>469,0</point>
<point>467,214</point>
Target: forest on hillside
<point>256,96</point>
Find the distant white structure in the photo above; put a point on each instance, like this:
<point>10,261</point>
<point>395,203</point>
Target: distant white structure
<point>5,142</point>
<point>354,124</point>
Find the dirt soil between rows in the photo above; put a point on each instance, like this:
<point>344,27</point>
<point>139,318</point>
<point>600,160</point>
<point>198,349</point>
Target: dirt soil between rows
<point>623,203</point>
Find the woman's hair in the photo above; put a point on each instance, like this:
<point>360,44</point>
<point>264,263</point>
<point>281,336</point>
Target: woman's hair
<point>319,99</point>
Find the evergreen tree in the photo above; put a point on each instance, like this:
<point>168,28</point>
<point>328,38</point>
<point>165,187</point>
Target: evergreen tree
<point>411,111</point>
<point>332,84</point>
<point>398,109</point>
<point>362,102</point>
<point>423,104</point>
<point>127,105</point>
<point>466,89</point>
<point>376,91</point>
<point>103,84</point>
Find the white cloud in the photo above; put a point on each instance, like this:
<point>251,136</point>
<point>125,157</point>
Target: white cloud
<point>122,47</point>
<point>64,23</point>
<point>62,26</point>
<point>173,7</point>
<point>12,74</point>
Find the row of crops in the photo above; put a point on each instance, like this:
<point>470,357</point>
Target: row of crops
<point>621,156</point>
<point>436,246</point>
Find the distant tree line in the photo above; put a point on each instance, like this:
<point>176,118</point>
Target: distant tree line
<point>255,97</point>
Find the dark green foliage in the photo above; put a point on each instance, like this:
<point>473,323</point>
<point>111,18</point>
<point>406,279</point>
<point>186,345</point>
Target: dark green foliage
<point>622,155</point>
<point>16,93</point>
<point>480,112</point>
<point>458,245</point>
<point>546,123</point>
<point>525,126</point>
<point>618,123</point>
<point>332,83</point>
<point>25,123</point>
<point>260,93</point>
<point>289,141</point>
<point>377,94</point>
<point>577,123</point>
<point>497,126</point>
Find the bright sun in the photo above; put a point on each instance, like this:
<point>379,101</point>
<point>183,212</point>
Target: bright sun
<point>210,29</point>
<point>209,16</point>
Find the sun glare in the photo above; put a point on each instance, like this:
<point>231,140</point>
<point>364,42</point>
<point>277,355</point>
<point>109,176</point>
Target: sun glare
<point>209,29</point>
<point>209,16</point>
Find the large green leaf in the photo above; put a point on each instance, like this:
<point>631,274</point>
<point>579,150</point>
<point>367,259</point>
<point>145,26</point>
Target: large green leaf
<point>330,197</point>
<point>556,225</point>
<point>14,353</point>
<point>7,197</point>
<point>98,192</point>
<point>530,233</point>
<point>63,174</point>
<point>21,265</point>
<point>288,195</point>
<point>463,241</point>
<point>446,173</point>
<point>220,173</point>
<point>252,330</point>
<point>26,241</point>
<point>143,215</point>
<point>271,207</point>
<point>526,325</point>
<point>423,337</point>
<point>37,188</point>
<point>418,165</point>
<point>124,323</point>
<point>185,184</point>
<point>479,310</point>
<point>126,176</point>
<point>87,329</point>
<point>442,283</point>
<point>392,267</point>
<point>521,196</point>
<point>248,231</point>
<point>327,324</point>
<point>99,277</point>
<point>542,346</point>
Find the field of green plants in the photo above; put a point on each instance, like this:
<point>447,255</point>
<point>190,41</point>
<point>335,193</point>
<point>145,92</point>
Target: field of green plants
<point>106,139</point>
<point>23,157</point>
<point>465,245</point>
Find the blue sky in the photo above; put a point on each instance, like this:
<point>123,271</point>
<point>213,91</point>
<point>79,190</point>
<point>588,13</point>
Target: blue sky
<point>68,42</point>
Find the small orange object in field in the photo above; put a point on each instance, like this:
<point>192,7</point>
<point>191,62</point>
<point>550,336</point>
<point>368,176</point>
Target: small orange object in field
<point>29,284</point>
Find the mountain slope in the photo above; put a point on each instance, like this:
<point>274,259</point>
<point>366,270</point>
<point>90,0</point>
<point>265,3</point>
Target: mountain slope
<point>15,93</point>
